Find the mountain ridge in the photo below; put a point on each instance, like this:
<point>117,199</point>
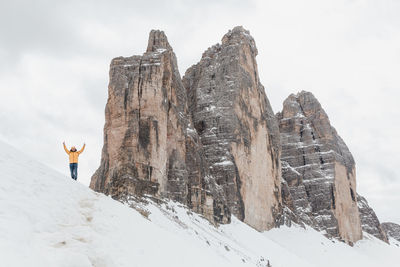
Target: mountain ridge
<point>211,141</point>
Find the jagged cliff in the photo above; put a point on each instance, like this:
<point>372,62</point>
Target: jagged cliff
<point>237,128</point>
<point>212,142</point>
<point>150,144</point>
<point>318,168</point>
<point>216,150</point>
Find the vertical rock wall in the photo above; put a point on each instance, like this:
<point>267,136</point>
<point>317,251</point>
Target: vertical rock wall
<point>319,169</point>
<point>237,128</point>
<point>150,145</point>
<point>212,142</point>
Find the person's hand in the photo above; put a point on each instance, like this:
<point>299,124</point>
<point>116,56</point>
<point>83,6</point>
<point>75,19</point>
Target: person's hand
<point>64,143</point>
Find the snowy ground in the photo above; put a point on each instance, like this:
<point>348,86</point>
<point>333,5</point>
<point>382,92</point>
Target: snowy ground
<point>47,219</point>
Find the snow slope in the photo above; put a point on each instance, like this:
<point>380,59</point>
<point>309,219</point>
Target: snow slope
<point>47,219</point>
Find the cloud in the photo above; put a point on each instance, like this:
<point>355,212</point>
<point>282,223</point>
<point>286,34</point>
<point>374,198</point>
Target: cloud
<point>54,60</point>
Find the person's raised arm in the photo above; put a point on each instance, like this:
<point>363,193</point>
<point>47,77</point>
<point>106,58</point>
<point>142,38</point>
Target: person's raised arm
<point>65,148</point>
<point>83,148</point>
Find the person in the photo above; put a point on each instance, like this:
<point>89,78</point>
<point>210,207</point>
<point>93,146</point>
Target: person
<point>73,160</point>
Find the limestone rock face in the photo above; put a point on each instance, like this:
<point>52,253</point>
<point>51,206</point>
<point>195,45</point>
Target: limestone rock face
<point>369,221</point>
<point>392,230</point>
<point>237,128</point>
<point>318,168</point>
<point>212,142</point>
<point>150,144</point>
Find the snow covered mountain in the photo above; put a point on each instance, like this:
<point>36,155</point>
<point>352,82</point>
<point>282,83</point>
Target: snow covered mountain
<point>47,219</point>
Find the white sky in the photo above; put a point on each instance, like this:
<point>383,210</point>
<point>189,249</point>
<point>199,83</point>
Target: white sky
<point>54,60</point>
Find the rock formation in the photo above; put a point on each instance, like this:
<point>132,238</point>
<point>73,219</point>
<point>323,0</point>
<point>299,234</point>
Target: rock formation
<point>369,221</point>
<point>150,144</point>
<point>212,142</point>
<point>392,230</point>
<point>216,151</point>
<point>237,128</point>
<point>318,168</point>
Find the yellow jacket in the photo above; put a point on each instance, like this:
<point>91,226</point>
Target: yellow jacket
<point>73,156</point>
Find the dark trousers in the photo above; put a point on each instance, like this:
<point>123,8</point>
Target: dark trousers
<point>74,170</point>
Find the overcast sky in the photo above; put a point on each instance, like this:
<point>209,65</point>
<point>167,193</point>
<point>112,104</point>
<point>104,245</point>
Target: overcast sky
<point>55,56</point>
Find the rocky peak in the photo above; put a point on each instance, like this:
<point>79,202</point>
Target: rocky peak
<point>239,35</point>
<point>312,152</point>
<point>150,144</point>
<point>318,168</point>
<point>158,41</point>
<point>237,128</point>
<point>304,104</point>
<point>212,142</point>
